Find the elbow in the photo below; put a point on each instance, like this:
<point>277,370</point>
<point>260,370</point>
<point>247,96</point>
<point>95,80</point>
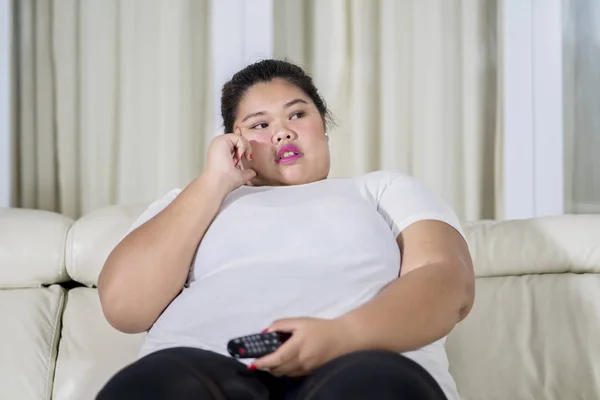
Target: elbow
<point>119,311</point>
<point>126,325</point>
<point>460,282</point>
<point>467,295</point>
<point>121,316</point>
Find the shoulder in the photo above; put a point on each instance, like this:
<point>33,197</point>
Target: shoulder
<point>160,203</point>
<point>155,207</point>
<point>170,195</point>
<point>382,175</point>
<point>403,200</point>
<point>377,182</point>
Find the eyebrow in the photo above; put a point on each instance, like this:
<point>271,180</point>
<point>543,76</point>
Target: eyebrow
<point>286,105</point>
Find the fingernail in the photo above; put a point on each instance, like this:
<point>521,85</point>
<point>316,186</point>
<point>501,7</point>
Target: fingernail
<point>251,367</point>
<point>250,156</point>
<point>265,330</point>
<point>236,163</point>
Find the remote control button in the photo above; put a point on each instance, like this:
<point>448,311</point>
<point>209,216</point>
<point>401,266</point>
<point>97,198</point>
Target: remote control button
<point>242,351</point>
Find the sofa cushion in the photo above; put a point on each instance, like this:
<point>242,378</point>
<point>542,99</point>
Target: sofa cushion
<point>32,247</point>
<point>90,350</point>
<point>94,236</point>
<point>30,321</point>
<point>557,244</point>
<point>530,337</point>
<point>554,244</point>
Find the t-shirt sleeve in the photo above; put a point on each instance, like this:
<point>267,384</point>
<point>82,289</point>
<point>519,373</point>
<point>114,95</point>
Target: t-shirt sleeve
<point>403,200</point>
<point>153,209</point>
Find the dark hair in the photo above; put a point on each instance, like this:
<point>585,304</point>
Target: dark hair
<point>266,71</point>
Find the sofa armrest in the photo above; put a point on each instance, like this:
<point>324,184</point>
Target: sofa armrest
<point>32,247</point>
<point>544,245</point>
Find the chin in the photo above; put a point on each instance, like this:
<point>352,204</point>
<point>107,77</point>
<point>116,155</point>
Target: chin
<point>295,174</point>
<point>302,177</point>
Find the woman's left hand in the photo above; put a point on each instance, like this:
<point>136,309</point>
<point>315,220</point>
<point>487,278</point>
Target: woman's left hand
<point>313,342</point>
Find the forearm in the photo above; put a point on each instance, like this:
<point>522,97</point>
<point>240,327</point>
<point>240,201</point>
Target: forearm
<point>417,309</point>
<point>149,267</point>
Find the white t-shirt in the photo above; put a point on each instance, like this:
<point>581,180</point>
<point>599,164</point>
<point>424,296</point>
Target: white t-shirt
<point>316,250</point>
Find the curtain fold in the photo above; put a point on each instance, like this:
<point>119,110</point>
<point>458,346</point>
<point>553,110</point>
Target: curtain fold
<point>114,100</point>
<point>581,86</point>
<point>35,106</point>
<point>412,84</point>
<point>114,97</point>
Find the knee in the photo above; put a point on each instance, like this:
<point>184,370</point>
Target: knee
<point>379,364</point>
<point>121,386</point>
<point>368,359</point>
<point>153,377</point>
<point>131,382</point>
<point>372,374</point>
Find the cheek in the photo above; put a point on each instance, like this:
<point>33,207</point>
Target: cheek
<point>312,128</point>
<point>257,139</point>
<point>261,146</point>
<point>261,137</point>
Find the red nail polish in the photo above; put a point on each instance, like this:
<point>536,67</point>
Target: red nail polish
<point>236,163</point>
<point>250,157</point>
<point>265,330</point>
<point>251,367</point>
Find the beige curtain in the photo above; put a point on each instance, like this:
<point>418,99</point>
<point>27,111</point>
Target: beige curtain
<point>113,100</point>
<point>412,85</point>
<point>581,71</point>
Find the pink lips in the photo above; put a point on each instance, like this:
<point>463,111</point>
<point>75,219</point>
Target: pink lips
<point>290,158</point>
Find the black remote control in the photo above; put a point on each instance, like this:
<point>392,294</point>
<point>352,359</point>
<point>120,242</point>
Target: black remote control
<point>257,345</point>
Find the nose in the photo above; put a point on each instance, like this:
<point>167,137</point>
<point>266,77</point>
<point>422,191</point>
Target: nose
<point>283,135</point>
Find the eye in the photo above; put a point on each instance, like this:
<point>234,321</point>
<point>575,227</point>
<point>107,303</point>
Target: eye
<point>299,114</point>
<point>261,125</point>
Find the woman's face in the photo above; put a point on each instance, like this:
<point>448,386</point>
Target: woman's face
<point>286,132</point>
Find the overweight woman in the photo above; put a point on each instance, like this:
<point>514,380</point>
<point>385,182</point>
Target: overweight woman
<point>367,274</point>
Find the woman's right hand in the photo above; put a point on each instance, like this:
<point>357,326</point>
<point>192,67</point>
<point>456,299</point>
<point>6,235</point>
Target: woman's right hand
<point>223,160</point>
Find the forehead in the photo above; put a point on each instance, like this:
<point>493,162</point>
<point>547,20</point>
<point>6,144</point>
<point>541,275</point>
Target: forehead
<point>270,95</point>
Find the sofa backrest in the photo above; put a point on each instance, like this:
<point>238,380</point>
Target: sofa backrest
<point>532,333</point>
<point>90,350</point>
<point>534,330</point>
<point>32,245</point>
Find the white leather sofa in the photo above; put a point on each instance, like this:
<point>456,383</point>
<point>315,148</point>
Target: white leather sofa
<point>534,332</point>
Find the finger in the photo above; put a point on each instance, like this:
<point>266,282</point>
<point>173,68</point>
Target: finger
<point>279,372</point>
<point>286,353</point>
<point>248,174</point>
<point>293,371</point>
<point>286,325</point>
<point>238,148</point>
<point>242,146</point>
<point>248,152</point>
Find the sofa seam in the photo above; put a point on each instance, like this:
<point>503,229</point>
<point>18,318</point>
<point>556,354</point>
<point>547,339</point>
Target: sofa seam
<point>49,385</point>
<point>72,253</point>
<point>64,253</point>
<point>525,274</point>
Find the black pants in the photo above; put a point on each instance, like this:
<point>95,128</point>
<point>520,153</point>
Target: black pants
<point>186,373</point>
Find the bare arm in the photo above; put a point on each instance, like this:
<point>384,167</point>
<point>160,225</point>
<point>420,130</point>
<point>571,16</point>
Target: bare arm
<point>434,292</point>
<point>148,269</point>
